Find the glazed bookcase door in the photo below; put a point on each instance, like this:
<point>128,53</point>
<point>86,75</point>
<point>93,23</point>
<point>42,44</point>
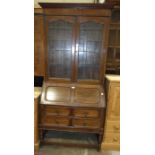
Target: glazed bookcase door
<point>91,48</point>
<point>60,43</point>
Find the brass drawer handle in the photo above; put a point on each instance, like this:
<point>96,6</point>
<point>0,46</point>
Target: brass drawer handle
<point>57,112</point>
<point>56,121</point>
<point>85,114</point>
<point>84,124</point>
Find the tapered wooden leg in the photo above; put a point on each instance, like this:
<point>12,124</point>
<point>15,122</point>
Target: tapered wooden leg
<point>41,133</point>
<point>100,138</point>
<point>44,133</point>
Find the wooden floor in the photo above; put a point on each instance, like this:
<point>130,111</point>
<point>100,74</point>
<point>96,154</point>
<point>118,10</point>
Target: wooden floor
<point>60,150</point>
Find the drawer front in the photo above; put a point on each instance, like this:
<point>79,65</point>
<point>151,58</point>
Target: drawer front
<point>88,123</point>
<point>86,113</point>
<point>49,110</point>
<point>54,121</point>
<point>113,126</point>
<point>112,138</point>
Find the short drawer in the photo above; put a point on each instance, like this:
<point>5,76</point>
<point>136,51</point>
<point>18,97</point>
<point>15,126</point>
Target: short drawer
<point>86,113</point>
<point>113,126</point>
<point>89,123</point>
<point>112,138</point>
<point>54,121</point>
<point>49,110</point>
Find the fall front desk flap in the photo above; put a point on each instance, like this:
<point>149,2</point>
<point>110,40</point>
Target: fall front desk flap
<point>73,94</point>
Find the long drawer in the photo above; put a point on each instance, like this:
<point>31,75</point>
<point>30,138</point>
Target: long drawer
<point>86,113</point>
<point>55,121</point>
<point>87,123</point>
<point>51,110</point>
<point>65,111</point>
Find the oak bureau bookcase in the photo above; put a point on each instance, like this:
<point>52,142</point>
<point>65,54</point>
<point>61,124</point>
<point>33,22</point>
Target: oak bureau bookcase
<point>73,98</point>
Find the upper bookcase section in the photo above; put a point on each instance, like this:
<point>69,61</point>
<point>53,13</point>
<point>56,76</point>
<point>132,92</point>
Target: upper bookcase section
<point>75,41</point>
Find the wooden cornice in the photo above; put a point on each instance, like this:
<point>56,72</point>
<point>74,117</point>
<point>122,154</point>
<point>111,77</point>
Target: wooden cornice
<point>76,5</point>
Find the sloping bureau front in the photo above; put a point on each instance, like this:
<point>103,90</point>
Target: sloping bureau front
<point>72,108</point>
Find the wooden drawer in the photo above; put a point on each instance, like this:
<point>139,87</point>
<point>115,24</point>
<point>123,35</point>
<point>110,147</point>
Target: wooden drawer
<point>113,126</point>
<point>89,123</point>
<point>49,110</point>
<point>112,138</point>
<point>86,113</point>
<point>55,121</point>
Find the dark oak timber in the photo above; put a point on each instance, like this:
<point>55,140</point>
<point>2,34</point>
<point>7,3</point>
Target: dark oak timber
<point>74,41</point>
<point>76,5</point>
